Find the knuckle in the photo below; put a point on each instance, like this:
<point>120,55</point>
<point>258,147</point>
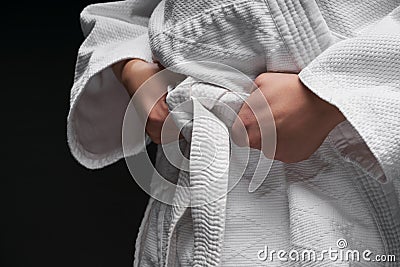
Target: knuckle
<point>247,123</point>
<point>247,119</point>
<point>260,78</point>
<point>154,117</point>
<point>134,67</point>
<point>156,139</point>
<point>255,140</point>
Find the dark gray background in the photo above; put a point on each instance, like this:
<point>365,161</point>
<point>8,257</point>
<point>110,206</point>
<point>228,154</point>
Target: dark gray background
<point>54,212</point>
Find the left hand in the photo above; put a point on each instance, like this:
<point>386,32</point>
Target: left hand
<point>302,119</point>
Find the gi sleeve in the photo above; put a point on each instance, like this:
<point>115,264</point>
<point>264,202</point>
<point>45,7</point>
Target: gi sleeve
<point>113,32</point>
<point>361,76</point>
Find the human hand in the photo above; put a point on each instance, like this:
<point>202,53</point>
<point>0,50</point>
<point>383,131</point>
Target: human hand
<point>302,119</point>
<point>149,101</point>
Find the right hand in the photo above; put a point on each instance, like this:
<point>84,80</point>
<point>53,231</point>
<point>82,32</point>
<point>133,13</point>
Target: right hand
<point>149,101</point>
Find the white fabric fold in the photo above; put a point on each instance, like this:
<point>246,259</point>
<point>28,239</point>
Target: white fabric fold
<point>356,70</point>
<point>208,184</point>
<point>361,76</point>
<point>113,32</point>
<point>205,186</point>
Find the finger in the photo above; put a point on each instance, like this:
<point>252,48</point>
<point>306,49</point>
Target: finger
<point>163,103</point>
<point>254,137</point>
<point>161,67</point>
<point>150,101</point>
<point>156,61</point>
<point>161,125</point>
<point>239,133</point>
<point>160,135</point>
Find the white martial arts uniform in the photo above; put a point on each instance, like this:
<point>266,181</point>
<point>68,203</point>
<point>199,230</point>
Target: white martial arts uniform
<point>347,52</point>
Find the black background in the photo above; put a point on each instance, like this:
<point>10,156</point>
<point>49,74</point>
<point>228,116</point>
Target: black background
<point>54,212</point>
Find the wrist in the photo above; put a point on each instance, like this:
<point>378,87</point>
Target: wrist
<point>121,68</point>
<point>128,68</point>
<point>330,114</point>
